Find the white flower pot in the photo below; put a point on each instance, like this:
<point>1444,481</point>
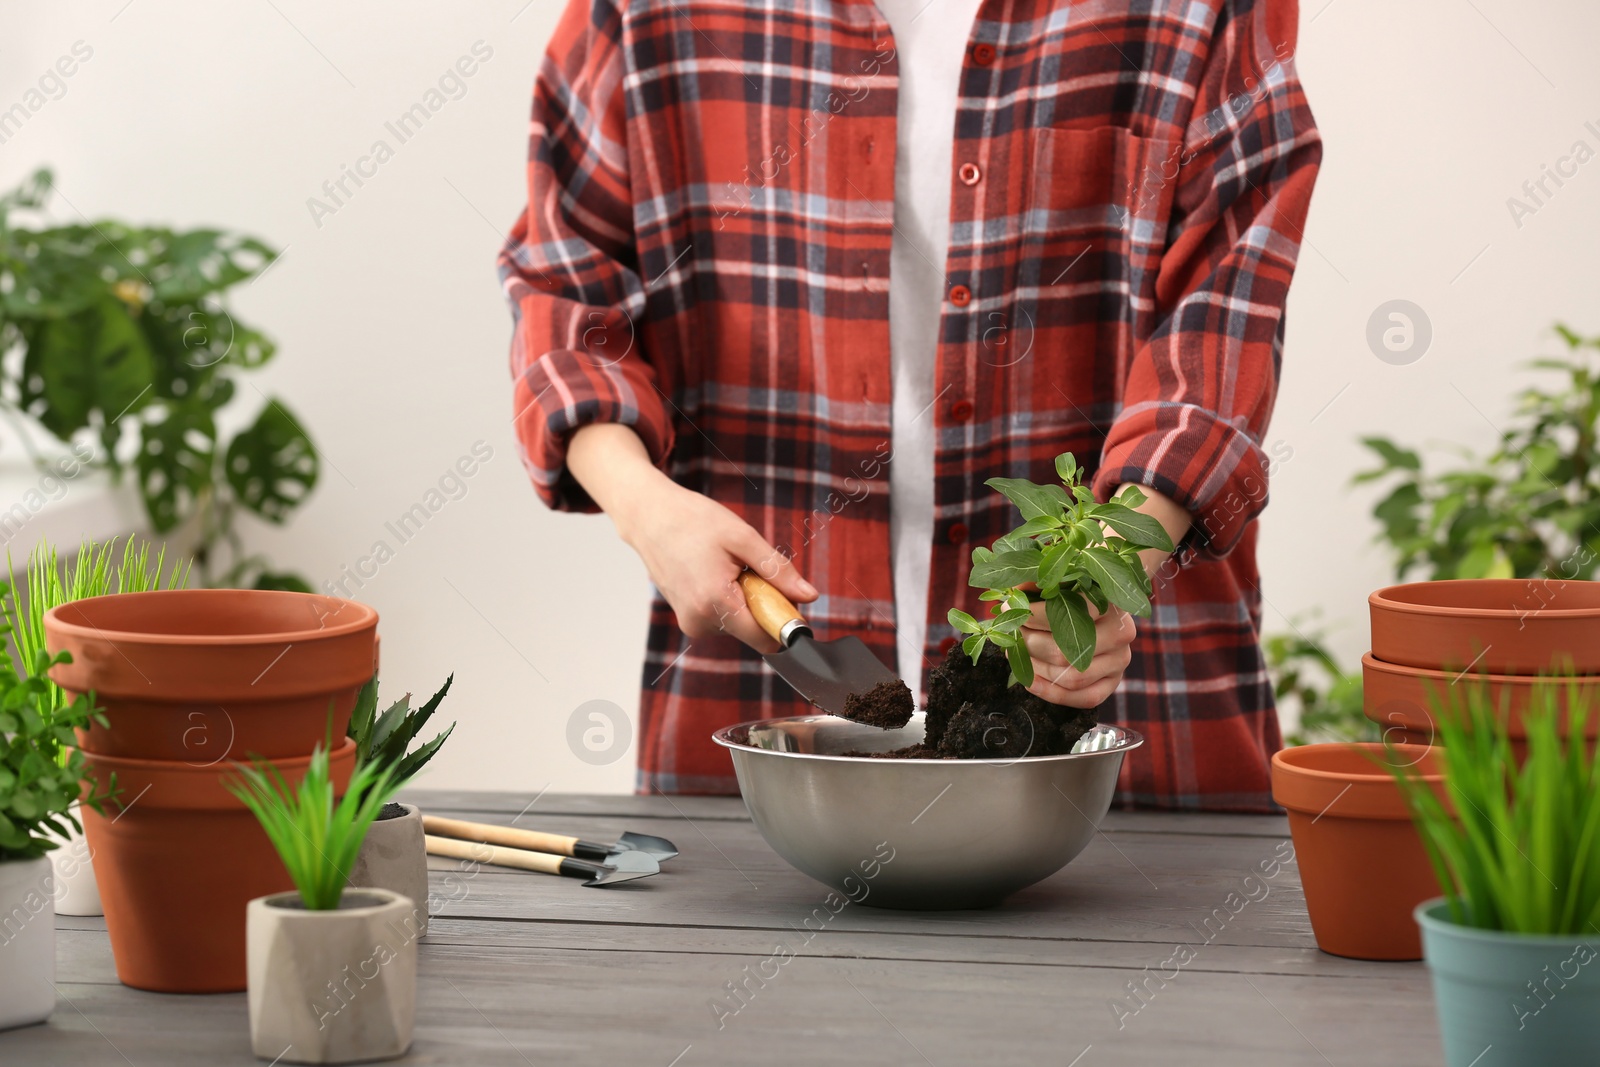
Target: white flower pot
<point>331,986</point>
<point>27,943</point>
<point>77,892</point>
<point>394,856</point>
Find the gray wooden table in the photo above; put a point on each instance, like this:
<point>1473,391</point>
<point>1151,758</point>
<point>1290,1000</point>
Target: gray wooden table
<point>525,969</point>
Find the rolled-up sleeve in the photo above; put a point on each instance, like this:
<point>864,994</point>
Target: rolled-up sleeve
<point>570,266</point>
<point>1200,390</point>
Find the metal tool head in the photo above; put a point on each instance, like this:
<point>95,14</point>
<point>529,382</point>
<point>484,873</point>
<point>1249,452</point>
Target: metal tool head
<point>826,672</point>
<point>623,867</point>
<point>659,847</point>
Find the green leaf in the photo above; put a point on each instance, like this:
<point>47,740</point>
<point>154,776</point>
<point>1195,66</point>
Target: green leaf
<point>1073,628</point>
<point>283,580</point>
<point>1021,664</point>
<point>1131,497</point>
<point>1007,569</point>
<point>1137,528</point>
<point>1393,455</point>
<point>962,621</point>
<point>1067,468</point>
<point>1032,500</point>
<point>1058,560</point>
<point>1117,579</point>
<point>175,464</point>
<point>272,466</point>
<point>94,362</point>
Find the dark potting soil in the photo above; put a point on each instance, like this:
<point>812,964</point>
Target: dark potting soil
<point>390,810</point>
<point>973,714</point>
<point>887,705</point>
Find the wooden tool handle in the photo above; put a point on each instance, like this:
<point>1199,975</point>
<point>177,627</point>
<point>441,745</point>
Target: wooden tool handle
<point>499,835</point>
<point>770,608</point>
<point>543,862</point>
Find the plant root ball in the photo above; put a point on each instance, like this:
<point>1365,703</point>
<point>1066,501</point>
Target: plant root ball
<point>886,705</point>
<point>972,714</point>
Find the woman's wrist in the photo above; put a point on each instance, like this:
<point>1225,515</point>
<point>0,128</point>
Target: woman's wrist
<point>612,464</point>
<point>1173,517</point>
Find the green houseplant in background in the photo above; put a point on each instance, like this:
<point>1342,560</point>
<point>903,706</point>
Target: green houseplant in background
<point>394,855</point>
<point>301,944</point>
<point>49,582</point>
<point>129,352</point>
<point>1512,947</point>
<point>1529,508</point>
<point>40,782</point>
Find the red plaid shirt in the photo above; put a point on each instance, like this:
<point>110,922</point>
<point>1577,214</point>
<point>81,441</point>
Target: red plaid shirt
<point>705,258</point>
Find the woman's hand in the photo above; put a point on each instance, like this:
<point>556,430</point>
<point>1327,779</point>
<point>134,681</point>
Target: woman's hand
<point>1054,680</point>
<point>692,546</point>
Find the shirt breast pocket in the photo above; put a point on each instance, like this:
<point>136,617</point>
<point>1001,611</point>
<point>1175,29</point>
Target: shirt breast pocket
<point>1096,204</point>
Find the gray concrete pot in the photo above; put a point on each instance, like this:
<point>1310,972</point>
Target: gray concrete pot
<point>27,943</point>
<point>331,986</point>
<point>394,856</point>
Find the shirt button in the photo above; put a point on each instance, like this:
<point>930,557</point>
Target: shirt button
<point>970,174</point>
<point>957,533</point>
<point>960,296</point>
<point>983,54</point>
<point>961,410</point>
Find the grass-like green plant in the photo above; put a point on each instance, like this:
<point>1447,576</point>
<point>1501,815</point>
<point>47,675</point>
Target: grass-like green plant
<point>40,776</point>
<point>94,571</point>
<point>1521,850</point>
<point>1069,552</point>
<point>316,835</point>
<point>382,740</point>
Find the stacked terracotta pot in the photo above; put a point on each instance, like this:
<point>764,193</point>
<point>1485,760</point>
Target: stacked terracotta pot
<point>1502,633</point>
<point>192,681</point>
<point>1361,861</point>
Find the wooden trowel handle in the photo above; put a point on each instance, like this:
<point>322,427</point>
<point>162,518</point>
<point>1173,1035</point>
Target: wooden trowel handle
<point>771,609</point>
<point>510,836</point>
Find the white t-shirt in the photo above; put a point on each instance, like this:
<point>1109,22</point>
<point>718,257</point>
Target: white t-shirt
<point>930,37</point>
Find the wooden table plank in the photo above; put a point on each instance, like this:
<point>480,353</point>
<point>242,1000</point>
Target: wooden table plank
<point>524,969</point>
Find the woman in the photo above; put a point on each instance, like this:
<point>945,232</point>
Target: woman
<point>795,279</point>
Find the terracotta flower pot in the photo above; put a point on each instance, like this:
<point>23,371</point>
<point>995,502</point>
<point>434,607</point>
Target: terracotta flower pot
<point>332,986</point>
<point>178,857</point>
<point>1400,699</point>
<point>1361,861</point>
<point>394,856</point>
<point>203,675</point>
<point>1491,625</point>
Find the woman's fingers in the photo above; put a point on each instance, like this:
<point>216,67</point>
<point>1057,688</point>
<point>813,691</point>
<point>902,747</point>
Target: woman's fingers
<point>1058,682</point>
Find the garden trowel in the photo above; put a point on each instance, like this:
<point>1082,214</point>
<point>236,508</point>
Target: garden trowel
<point>824,672</point>
<point>560,844</point>
<point>621,867</point>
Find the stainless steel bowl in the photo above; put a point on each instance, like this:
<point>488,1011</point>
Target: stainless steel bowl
<point>922,833</point>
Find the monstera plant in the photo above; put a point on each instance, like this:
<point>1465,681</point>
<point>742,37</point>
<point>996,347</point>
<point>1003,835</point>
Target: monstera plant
<point>117,339</point>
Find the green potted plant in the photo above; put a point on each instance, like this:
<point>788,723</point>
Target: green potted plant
<point>1512,944</point>
<point>49,582</point>
<point>129,352</point>
<point>1078,557</point>
<point>332,971</point>
<point>394,855</point>
<point>40,782</point>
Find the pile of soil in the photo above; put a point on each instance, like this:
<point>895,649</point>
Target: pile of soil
<point>887,705</point>
<point>973,714</point>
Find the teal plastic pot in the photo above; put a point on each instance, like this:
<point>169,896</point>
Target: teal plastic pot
<point>1511,1000</point>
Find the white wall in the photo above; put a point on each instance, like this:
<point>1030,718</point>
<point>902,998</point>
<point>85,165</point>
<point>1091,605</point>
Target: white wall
<point>393,334</point>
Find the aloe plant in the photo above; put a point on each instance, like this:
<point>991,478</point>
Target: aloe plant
<point>316,836</point>
<point>382,740</point>
<point>1520,852</point>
